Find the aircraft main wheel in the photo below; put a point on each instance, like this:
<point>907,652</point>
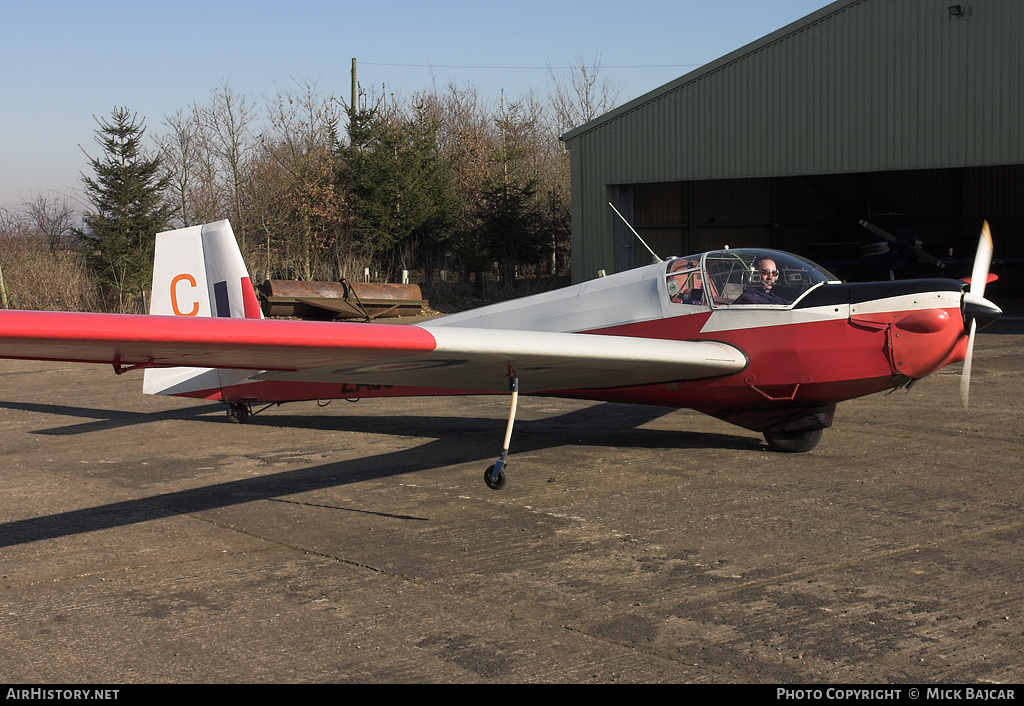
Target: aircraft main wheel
<point>793,442</point>
<point>238,412</point>
<point>497,483</point>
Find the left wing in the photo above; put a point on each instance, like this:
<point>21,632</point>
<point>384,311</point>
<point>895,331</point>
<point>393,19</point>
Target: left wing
<point>443,357</point>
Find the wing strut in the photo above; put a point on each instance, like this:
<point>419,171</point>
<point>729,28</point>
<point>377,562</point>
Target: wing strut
<point>496,476</point>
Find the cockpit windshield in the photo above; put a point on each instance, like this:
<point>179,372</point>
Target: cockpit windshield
<point>742,277</point>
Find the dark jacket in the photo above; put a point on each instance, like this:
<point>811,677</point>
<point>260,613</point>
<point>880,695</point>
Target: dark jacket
<point>757,295</point>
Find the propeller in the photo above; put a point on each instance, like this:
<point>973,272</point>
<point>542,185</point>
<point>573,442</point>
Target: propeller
<point>918,252</point>
<point>975,301</point>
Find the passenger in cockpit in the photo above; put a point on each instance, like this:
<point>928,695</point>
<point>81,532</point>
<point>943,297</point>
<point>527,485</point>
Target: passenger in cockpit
<point>684,284</point>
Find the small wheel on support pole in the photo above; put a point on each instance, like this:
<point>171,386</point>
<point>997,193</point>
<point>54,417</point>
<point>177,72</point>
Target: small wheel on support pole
<point>238,412</point>
<point>495,477</point>
<point>498,482</point>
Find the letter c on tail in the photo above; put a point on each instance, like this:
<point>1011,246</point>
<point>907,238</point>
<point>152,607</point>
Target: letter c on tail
<point>174,295</point>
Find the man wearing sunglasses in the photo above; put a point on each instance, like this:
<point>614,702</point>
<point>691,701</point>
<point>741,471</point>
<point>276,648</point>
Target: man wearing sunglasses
<point>764,273</point>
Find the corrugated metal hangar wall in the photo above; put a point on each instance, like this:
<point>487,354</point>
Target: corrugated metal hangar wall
<point>865,107</point>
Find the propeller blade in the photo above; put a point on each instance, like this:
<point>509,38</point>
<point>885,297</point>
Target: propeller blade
<point>982,261</point>
<point>979,278</point>
<point>965,376</point>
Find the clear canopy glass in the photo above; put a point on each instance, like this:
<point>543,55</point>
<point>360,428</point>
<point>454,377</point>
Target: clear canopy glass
<point>742,277</point>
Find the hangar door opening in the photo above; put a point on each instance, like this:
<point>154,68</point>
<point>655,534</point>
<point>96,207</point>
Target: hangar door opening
<point>680,218</point>
<point>818,217</point>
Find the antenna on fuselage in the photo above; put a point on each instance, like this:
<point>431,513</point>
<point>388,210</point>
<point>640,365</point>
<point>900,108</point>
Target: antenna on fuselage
<point>653,254</point>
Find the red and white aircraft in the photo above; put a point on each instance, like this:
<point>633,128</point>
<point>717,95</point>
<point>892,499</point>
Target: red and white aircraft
<point>674,333</point>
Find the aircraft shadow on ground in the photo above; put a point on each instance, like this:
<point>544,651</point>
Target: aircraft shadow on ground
<point>456,440</point>
<point>105,418</point>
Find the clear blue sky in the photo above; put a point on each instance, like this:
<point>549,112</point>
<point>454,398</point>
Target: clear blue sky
<point>65,62</point>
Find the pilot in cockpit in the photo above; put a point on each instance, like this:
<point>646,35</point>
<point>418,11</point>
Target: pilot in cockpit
<point>763,275</point>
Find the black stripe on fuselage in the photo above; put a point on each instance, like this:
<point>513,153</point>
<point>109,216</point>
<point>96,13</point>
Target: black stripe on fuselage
<point>858,292</point>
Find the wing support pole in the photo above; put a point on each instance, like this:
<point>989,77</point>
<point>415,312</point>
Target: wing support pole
<point>496,476</point>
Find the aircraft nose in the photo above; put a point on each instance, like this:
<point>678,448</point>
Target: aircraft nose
<point>979,309</point>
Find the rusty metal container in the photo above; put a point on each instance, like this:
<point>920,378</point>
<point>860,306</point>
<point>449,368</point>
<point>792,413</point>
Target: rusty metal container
<point>339,300</point>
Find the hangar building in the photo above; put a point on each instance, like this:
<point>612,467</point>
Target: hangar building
<point>863,108</point>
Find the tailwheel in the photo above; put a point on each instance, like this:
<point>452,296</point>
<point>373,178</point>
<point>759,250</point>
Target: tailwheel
<point>793,442</point>
<point>238,412</point>
<point>495,481</point>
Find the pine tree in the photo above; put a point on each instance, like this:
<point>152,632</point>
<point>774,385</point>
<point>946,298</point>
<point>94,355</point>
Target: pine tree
<point>401,188</point>
<point>128,209</point>
<point>511,228</point>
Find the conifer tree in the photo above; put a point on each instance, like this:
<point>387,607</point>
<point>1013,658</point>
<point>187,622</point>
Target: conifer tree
<point>127,209</point>
<point>511,226</point>
<point>400,186</point>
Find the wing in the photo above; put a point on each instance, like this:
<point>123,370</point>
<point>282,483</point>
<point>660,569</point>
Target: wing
<point>444,357</point>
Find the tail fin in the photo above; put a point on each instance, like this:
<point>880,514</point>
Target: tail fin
<point>199,271</point>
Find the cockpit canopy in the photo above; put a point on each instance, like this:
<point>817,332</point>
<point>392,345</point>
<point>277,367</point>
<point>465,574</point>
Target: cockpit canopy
<point>742,277</point>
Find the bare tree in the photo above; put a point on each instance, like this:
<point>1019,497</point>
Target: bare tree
<point>302,139</point>
<point>265,211</point>
<point>228,120</point>
<point>52,217</point>
<point>197,189</point>
<point>37,268</point>
<point>581,97</point>
<point>465,136</point>
<point>183,149</point>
